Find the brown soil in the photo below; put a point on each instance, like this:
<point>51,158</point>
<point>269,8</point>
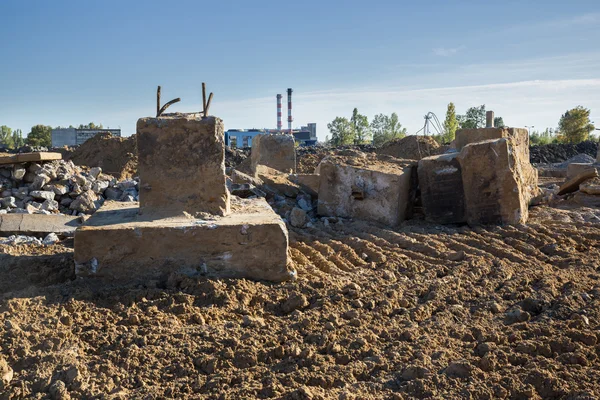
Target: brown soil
<point>115,155</point>
<point>411,147</point>
<point>418,312</point>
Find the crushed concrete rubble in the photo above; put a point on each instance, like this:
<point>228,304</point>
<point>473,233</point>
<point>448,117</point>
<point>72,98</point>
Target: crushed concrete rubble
<point>59,187</point>
<point>14,240</point>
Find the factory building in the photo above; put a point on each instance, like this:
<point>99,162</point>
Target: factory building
<point>74,137</point>
<point>305,136</point>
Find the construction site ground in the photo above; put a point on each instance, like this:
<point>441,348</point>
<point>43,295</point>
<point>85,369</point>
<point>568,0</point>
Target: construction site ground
<point>421,311</point>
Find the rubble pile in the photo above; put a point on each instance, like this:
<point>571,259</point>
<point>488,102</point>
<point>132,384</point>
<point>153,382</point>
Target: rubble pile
<point>308,158</point>
<point>411,147</point>
<point>59,187</point>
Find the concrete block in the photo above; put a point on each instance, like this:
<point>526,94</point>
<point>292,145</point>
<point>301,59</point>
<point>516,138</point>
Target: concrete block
<point>276,151</point>
<point>118,244</point>
<point>38,224</point>
<point>575,169</point>
<point>572,184</point>
<point>494,183</point>
<point>373,188</point>
<point>30,157</point>
<point>182,165</point>
<point>307,182</point>
<point>442,194</point>
<point>519,144</point>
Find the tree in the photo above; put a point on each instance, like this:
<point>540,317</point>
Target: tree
<point>17,138</point>
<point>386,128</point>
<point>473,118</point>
<point>541,138</point>
<point>6,136</point>
<point>341,131</point>
<point>40,135</point>
<point>575,125</point>
<point>360,127</point>
<point>450,124</point>
<point>91,125</point>
<point>498,122</point>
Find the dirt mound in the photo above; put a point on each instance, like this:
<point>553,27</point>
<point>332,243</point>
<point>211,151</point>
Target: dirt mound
<point>557,153</point>
<point>422,311</point>
<point>116,156</point>
<point>308,158</point>
<point>412,147</point>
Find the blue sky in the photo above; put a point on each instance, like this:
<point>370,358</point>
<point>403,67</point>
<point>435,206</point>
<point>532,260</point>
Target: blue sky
<point>72,62</point>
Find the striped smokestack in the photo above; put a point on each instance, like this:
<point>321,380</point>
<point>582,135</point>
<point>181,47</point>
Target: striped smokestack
<point>279,112</point>
<point>289,93</point>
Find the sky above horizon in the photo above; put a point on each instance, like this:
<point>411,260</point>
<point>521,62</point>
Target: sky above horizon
<point>73,62</point>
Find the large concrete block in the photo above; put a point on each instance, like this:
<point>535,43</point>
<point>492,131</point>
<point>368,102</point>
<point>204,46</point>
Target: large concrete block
<point>373,188</point>
<point>182,165</point>
<point>442,194</point>
<point>575,169</point>
<point>520,146</point>
<point>119,244</point>
<point>38,224</point>
<point>276,151</point>
<point>494,183</point>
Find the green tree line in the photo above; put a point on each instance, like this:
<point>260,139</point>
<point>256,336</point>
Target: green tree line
<point>38,136</point>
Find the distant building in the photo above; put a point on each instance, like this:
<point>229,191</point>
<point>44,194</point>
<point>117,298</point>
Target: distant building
<point>75,137</point>
<point>305,136</point>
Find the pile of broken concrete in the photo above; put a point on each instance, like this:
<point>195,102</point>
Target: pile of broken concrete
<point>59,187</point>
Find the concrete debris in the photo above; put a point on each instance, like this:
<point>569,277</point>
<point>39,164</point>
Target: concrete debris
<point>276,151</point>
<point>572,185</point>
<point>59,187</point>
<point>50,239</point>
<point>298,217</point>
<point>591,187</point>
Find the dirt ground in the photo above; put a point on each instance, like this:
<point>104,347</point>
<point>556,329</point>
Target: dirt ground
<point>422,311</point>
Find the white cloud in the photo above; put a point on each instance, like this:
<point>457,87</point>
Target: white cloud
<point>447,51</point>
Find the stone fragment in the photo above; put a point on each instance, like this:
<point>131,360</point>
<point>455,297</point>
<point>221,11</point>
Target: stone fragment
<point>39,181</point>
<point>21,192</point>
<point>276,151</point>
<point>85,202</point>
<point>575,169</point>
<point>57,188</point>
<point>113,193</point>
<point>572,184</point>
<point>240,178</point>
<point>296,301</point>
<point>379,188</point>
<point>42,194</point>
<point>49,205</point>
<point>8,202</point>
<point>591,186</point>
<point>176,142</point>
<point>442,193</point>
<point>99,186</point>
<point>298,217</point>
<point>50,239</point>
<point>6,374</point>
<point>494,183</point>
<point>307,182</point>
<point>18,173</point>
<point>94,172</point>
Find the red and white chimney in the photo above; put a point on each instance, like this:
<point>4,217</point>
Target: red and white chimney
<point>289,93</point>
<point>279,112</point>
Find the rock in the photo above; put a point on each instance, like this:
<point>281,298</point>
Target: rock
<point>57,188</point>
<point>50,239</point>
<point>591,187</point>
<point>94,172</point>
<point>18,173</point>
<point>295,302</point>
<point>85,202</point>
<point>572,184</point>
<point>8,202</point>
<point>6,374</point>
<point>127,184</point>
<point>49,205</point>
<point>40,181</point>
<point>99,186</point>
<point>276,151</point>
<point>66,201</point>
<point>459,369</point>
<point>58,391</point>
<point>517,315</point>
<point>298,217</point>
<point>483,348</point>
<point>21,192</point>
<point>240,178</point>
<point>112,193</point>
<point>304,202</point>
<point>413,372</point>
<point>42,194</point>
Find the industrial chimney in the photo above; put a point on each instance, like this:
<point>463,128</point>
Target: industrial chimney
<point>279,113</point>
<point>289,93</point>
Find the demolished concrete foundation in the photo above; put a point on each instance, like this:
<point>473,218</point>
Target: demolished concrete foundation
<point>373,188</point>
<point>189,229</point>
<point>276,151</point>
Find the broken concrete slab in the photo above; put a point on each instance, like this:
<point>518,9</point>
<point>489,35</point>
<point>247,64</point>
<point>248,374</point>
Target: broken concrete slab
<point>277,151</point>
<point>572,185</point>
<point>118,244</point>
<point>182,165</point>
<point>575,169</point>
<point>30,157</point>
<point>494,183</point>
<point>239,177</point>
<point>373,188</point>
<point>591,186</point>
<point>38,224</point>
<point>442,194</point>
<point>308,182</point>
